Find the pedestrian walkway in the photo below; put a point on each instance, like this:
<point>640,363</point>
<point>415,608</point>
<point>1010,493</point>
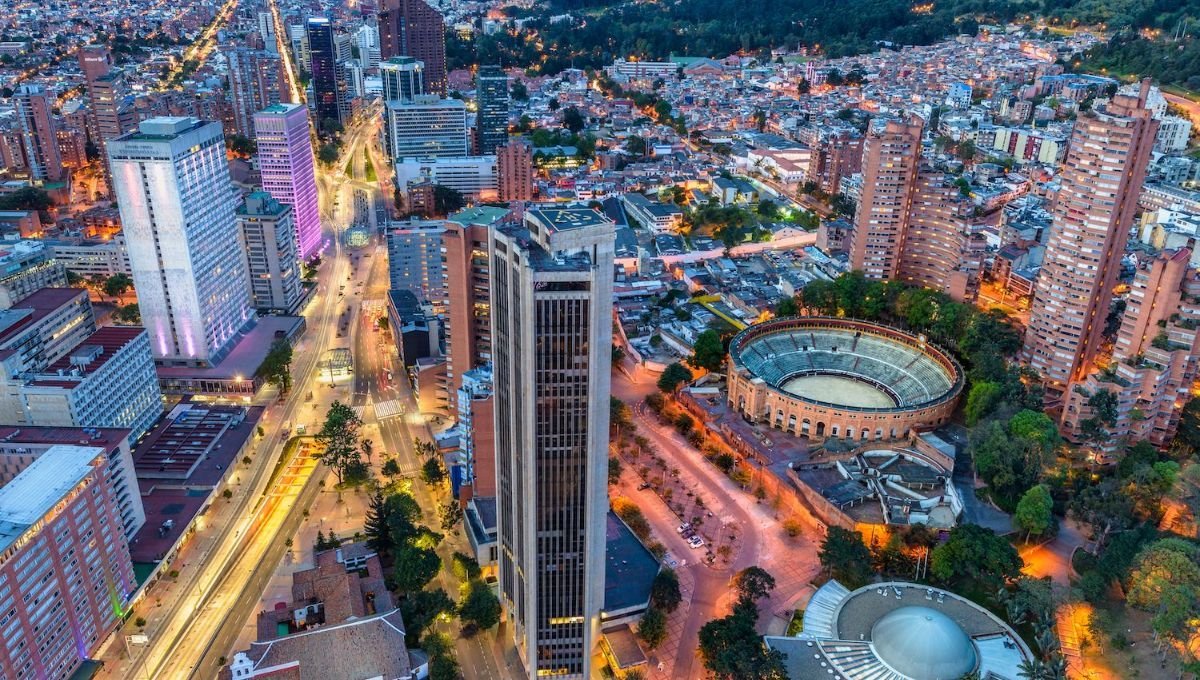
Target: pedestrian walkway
<point>389,409</point>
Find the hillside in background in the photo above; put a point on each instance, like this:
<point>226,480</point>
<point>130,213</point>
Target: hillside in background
<point>603,30</point>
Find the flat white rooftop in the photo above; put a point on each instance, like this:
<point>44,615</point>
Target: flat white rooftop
<point>31,494</point>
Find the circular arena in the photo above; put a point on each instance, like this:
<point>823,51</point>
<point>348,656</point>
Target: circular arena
<point>826,377</point>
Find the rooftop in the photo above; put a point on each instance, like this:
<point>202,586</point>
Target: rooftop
<point>43,483</point>
<point>565,219</point>
<point>246,355</point>
<point>629,568</point>
<point>481,214</point>
<point>37,306</point>
<point>196,443</point>
<point>88,356</point>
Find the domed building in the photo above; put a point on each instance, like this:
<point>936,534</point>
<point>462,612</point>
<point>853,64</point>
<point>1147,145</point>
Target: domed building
<point>899,631</point>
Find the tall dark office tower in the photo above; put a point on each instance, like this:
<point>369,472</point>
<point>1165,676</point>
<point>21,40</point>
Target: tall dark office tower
<point>323,67</point>
<point>551,301</point>
<point>491,94</point>
<point>411,28</point>
<point>39,132</point>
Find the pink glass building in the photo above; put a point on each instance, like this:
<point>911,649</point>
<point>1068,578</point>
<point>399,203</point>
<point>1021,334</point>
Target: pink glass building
<point>285,157</point>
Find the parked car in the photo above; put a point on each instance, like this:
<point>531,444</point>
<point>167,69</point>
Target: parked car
<point>684,527</point>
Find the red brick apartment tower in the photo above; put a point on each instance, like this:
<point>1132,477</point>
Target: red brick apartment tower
<point>1092,215</point>
<point>890,159</point>
<point>411,28</point>
<point>514,171</point>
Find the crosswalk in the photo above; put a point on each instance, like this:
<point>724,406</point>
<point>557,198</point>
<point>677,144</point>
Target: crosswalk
<point>389,408</point>
<point>361,412</point>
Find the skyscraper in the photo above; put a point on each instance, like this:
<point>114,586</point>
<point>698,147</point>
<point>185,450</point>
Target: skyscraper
<point>491,96</point>
<point>468,313</point>
<point>891,156</point>
<point>411,28</point>
<point>551,292</point>
<point>285,158</point>
<point>514,171</point>
<point>266,32</point>
<point>256,81</point>
<point>106,91</point>
<point>912,222</point>
<point>403,78</point>
<point>177,210</point>
<point>1092,215</point>
<point>39,133</point>
<point>323,67</point>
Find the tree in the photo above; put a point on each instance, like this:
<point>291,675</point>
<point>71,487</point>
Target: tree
<point>983,397</point>
<point>1169,564</point>
<point>1189,425</point>
<point>614,469</point>
<point>433,472</point>
<point>375,526</point>
<point>276,366</point>
<point>465,567</point>
<point>652,629</point>
<point>636,146</point>
<point>977,554</point>
<point>130,314</point>
<point>414,567</point>
<point>390,468</point>
<point>117,285</point>
<point>573,120</point>
<point>518,91</point>
<point>787,307</point>
<point>447,200</point>
<point>444,667</point>
<point>420,609</point>
<point>708,352</point>
<point>753,583</point>
<point>339,438</point>
<point>664,592</point>
<point>479,605</point>
<point>732,649</point>
<point>846,557</point>
<point>241,146</point>
<point>27,198</point>
<point>328,154</point>
<point>673,376</point>
<point>1034,513</point>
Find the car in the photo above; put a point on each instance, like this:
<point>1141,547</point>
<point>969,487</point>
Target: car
<point>695,542</point>
<point>684,527</point>
<point>643,485</point>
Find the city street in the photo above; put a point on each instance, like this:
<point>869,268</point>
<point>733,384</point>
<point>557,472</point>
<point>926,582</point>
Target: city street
<point>792,561</point>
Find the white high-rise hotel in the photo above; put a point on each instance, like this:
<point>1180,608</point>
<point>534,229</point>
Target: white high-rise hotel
<point>551,293</point>
<point>177,208</point>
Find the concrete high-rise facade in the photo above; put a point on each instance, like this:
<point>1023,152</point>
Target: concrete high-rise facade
<point>272,264</point>
<point>491,97</point>
<point>285,159</point>
<point>266,32</point>
<point>941,249</point>
<point>39,132</point>
<point>256,81</point>
<point>427,127</point>
<point>1092,215</point>
<point>65,570</point>
<point>1153,364</point>
<point>177,210</point>
<point>323,69</point>
<point>891,158</point>
<point>403,78</point>
<point>514,171</point>
<point>411,28</point>
<point>912,223</point>
<point>551,292</point>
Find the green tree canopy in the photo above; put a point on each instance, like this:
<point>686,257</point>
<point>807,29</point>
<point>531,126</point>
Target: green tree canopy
<point>339,439</point>
<point>708,352</point>
<point>479,605</point>
<point>664,592</point>
<point>1034,513</point>
<point>976,554</point>
<point>844,555</point>
<point>652,629</point>
<point>673,376</point>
